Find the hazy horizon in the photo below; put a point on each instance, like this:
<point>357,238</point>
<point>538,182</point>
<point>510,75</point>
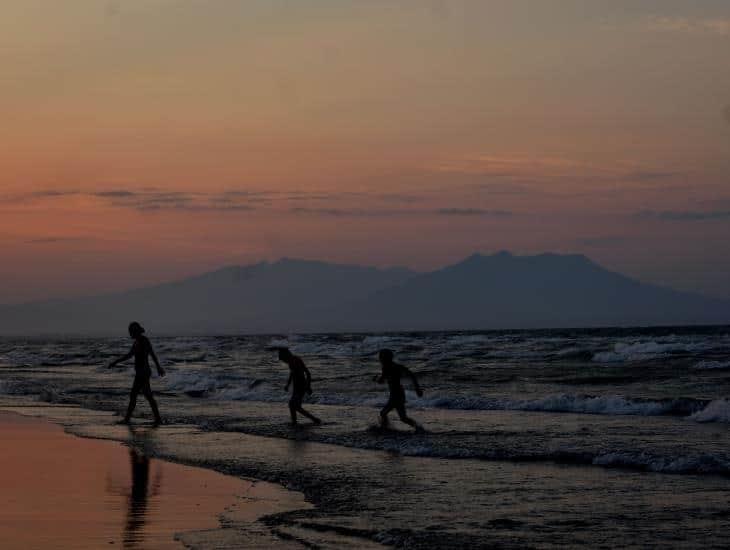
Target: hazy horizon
<point>413,271</point>
<point>150,141</point>
<point>499,291</point>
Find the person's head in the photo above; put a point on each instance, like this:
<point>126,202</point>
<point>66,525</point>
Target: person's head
<point>285,355</point>
<point>135,329</point>
<point>385,356</point>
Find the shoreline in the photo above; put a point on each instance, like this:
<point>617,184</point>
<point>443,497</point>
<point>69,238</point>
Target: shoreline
<point>270,528</point>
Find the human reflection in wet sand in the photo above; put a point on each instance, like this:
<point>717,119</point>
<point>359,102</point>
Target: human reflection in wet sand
<point>137,498</point>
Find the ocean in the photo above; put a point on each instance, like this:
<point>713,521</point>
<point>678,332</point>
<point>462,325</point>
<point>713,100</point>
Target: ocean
<point>598,437</point>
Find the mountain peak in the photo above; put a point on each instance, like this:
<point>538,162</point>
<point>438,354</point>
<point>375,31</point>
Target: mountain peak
<point>501,290</point>
<point>478,258</point>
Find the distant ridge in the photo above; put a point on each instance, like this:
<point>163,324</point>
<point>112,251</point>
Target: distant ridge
<point>542,291</point>
<point>481,292</point>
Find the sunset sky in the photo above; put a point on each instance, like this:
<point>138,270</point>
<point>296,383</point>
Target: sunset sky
<point>147,140</point>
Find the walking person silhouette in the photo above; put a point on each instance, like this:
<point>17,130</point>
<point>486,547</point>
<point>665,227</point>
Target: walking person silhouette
<point>392,373</point>
<point>301,379</point>
<point>141,351</point>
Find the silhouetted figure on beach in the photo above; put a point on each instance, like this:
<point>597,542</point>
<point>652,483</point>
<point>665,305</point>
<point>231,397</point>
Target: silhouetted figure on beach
<point>141,350</point>
<point>301,379</point>
<point>392,373</point>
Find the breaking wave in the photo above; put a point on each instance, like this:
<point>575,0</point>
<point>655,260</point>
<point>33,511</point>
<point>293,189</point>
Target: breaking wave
<point>716,411</point>
<point>712,365</point>
<point>197,385</point>
<point>650,350</point>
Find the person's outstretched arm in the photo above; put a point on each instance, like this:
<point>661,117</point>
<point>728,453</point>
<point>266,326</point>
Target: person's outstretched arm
<point>409,372</point>
<point>123,358</point>
<point>288,382</point>
<point>160,370</point>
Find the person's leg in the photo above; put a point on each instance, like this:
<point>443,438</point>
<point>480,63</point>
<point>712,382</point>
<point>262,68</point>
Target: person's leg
<point>147,392</point>
<point>389,406</point>
<point>309,415</point>
<point>401,409</point>
<point>132,400</point>
<point>294,404</point>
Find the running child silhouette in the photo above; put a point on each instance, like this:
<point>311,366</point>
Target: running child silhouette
<point>141,350</point>
<point>301,379</point>
<point>392,373</point>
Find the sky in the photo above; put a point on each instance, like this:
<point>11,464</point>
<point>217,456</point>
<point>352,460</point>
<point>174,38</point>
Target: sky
<point>148,140</point>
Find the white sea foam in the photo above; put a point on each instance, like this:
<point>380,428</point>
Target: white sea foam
<point>240,389</point>
<point>682,464</point>
<point>300,346</point>
<point>50,394</point>
<point>192,359</point>
<point>639,351</point>
<point>584,404</point>
<point>709,365</point>
<point>672,463</point>
<point>467,339</point>
<point>246,393</point>
<point>279,343</point>
<point>715,411</point>
<point>188,380</point>
<point>604,404</point>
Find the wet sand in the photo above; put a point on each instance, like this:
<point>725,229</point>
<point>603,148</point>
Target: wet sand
<point>62,491</point>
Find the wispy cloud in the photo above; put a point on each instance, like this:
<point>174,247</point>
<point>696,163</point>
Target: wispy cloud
<point>322,204</point>
<point>115,194</point>
<point>472,212</point>
<point>32,196</point>
<point>339,212</point>
<point>525,174</point>
<point>53,193</point>
<point>150,199</point>
<point>154,200</point>
<point>508,165</point>
<point>147,199</point>
<point>301,196</point>
<point>54,240</point>
<point>650,175</point>
<point>375,212</point>
<point>695,25</point>
<point>686,215</point>
<point>503,188</point>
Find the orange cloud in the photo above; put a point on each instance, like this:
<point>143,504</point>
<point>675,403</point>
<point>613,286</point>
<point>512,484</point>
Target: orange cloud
<point>719,26</point>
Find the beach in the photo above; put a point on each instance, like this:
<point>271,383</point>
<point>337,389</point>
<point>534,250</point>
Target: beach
<point>62,491</point>
<point>583,452</point>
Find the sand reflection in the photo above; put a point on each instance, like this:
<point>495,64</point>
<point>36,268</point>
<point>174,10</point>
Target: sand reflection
<point>60,491</point>
<point>139,491</point>
<point>137,499</point>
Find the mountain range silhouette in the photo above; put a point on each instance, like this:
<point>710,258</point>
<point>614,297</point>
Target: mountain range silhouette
<point>500,291</point>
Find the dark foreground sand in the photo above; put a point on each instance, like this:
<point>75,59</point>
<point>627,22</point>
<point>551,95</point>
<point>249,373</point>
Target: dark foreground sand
<point>62,491</point>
